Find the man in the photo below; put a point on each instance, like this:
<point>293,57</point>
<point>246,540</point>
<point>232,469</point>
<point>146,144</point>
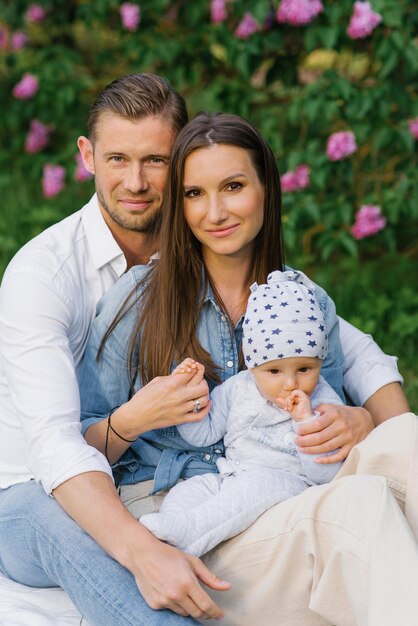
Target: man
<point>47,302</point>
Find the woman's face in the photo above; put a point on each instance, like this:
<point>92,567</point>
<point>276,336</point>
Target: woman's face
<point>223,200</point>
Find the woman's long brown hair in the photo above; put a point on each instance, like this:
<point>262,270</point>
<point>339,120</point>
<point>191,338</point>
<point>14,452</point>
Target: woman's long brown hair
<point>173,295</point>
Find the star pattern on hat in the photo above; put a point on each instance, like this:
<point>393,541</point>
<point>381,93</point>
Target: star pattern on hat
<point>289,322</point>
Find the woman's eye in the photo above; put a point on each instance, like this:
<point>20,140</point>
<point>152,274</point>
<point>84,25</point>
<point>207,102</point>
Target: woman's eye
<point>192,193</point>
<point>233,186</point>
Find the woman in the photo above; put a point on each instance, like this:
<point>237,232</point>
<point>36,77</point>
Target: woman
<point>221,232</point>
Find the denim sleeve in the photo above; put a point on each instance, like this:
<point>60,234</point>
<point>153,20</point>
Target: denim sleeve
<point>105,383</point>
<point>333,366</point>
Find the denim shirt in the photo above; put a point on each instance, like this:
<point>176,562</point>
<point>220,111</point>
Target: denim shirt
<point>162,454</point>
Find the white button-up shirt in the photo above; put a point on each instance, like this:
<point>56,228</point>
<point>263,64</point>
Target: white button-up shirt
<point>48,299</point>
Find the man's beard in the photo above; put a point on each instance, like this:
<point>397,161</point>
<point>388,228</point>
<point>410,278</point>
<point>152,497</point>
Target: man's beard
<point>143,223</point>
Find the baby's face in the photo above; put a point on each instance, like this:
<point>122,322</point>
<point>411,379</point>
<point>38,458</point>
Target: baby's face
<point>281,376</point>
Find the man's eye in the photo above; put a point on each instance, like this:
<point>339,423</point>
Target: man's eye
<point>116,159</point>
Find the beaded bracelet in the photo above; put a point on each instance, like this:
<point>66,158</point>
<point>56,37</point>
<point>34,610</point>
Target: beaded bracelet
<point>110,428</point>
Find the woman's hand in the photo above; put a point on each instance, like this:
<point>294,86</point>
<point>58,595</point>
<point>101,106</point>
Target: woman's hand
<point>170,579</point>
<point>338,428</point>
<point>165,401</point>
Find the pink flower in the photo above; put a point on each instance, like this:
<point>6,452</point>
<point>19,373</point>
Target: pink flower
<point>296,180</point>
<point>4,38</point>
<point>35,13</point>
<point>26,87</point>
<point>413,126</point>
<point>247,26</point>
<point>369,221</point>
<point>53,180</point>
<point>288,182</point>
<point>19,40</point>
<point>298,12</point>
<point>302,176</point>
<point>130,14</point>
<point>363,21</point>
<point>218,11</point>
<point>81,174</point>
<point>341,145</point>
<point>37,137</point>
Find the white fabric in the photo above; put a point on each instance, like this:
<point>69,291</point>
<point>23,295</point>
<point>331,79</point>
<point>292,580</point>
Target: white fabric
<point>47,302</point>
<point>366,367</point>
<point>28,606</point>
<point>205,510</point>
<point>255,431</point>
<point>262,467</point>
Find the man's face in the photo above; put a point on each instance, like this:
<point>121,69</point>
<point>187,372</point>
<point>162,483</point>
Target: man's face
<point>129,159</point>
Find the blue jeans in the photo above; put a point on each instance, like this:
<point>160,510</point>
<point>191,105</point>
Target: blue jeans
<point>41,546</point>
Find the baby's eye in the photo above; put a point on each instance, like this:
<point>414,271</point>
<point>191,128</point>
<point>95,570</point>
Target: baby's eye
<point>304,369</point>
<point>274,371</point>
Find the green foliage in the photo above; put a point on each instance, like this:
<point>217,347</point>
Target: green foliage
<point>380,297</point>
<point>297,84</point>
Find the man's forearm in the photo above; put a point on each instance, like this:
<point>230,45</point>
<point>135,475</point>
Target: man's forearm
<point>387,402</point>
<point>92,501</point>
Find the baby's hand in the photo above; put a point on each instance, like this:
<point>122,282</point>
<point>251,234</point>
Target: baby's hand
<point>185,367</point>
<point>189,366</point>
<point>297,403</point>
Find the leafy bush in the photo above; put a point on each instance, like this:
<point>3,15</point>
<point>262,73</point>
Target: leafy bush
<point>300,76</point>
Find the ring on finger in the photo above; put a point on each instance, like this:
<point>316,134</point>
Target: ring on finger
<point>197,406</point>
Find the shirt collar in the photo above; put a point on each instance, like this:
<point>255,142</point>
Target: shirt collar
<point>102,245</point>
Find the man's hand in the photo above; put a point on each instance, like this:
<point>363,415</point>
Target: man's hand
<point>338,427</point>
<point>170,579</point>
<point>166,577</point>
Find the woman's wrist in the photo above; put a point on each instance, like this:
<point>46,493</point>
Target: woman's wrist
<point>122,425</point>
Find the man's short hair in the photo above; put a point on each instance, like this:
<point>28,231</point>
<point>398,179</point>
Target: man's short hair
<point>136,96</point>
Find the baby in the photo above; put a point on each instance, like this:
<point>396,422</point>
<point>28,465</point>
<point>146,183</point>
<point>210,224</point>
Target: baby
<point>257,412</point>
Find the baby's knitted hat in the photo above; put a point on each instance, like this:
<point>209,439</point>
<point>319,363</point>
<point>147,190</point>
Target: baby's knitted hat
<point>283,319</point>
